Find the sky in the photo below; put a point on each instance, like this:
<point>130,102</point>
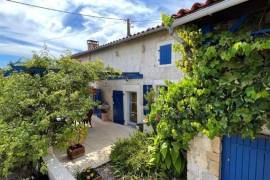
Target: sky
<point>24,29</point>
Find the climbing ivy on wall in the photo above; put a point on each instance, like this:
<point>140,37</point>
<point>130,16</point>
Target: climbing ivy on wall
<point>225,91</point>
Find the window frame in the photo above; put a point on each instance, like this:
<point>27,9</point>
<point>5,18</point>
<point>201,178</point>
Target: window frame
<point>172,53</point>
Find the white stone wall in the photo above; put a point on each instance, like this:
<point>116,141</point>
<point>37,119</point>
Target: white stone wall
<point>107,88</point>
<point>139,55</point>
<point>56,170</point>
<point>203,159</point>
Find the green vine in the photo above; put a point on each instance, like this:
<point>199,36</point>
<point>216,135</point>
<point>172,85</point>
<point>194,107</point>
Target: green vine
<point>225,92</point>
<point>167,20</point>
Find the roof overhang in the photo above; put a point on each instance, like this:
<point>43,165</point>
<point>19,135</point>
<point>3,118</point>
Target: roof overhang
<point>123,40</point>
<point>206,11</point>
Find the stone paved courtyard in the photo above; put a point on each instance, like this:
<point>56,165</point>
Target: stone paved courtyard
<point>97,145</point>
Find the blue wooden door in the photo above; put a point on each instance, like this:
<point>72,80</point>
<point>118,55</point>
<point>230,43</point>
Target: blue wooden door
<point>118,107</point>
<point>245,159</point>
<point>98,98</point>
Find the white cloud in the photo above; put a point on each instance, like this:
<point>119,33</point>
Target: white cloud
<point>122,6</point>
<point>36,26</point>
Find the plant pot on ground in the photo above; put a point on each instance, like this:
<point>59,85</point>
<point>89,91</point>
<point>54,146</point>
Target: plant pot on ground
<point>104,108</point>
<point>76,149</point>
<point>88,174</point>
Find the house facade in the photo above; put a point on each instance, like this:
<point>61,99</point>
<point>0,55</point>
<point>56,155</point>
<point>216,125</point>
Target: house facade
<point>146,56</point>
<point>145,60</point>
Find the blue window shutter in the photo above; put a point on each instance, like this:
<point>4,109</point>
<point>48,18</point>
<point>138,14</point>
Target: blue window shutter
<point>146,89</point>
<point>165,54</point>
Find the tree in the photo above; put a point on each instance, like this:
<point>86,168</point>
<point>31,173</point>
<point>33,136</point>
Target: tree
<point>31,103</point>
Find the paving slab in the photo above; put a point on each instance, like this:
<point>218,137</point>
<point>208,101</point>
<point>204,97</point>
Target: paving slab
<point>97,144</point>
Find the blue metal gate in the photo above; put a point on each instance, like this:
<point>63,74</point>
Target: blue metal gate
<point>118,107</point>
<point>245,159</point>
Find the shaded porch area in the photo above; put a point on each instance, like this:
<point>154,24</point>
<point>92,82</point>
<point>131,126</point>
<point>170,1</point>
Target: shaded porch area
<point>98,144</point>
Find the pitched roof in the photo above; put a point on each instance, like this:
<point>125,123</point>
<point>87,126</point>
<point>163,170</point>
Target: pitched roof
<point>125,39</point>
<point>181,13</point>
<point>195,7</point>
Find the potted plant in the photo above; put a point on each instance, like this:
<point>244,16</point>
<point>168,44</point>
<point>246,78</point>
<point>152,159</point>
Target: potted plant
<point>104,108</point>
<point>88,174</point>
<point>76,149</point>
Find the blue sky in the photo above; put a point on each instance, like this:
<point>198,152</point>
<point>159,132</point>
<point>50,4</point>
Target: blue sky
<point>24,29</point>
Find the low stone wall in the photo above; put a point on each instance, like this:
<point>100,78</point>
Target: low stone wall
<point>204,157</point>
<point>56,169</point>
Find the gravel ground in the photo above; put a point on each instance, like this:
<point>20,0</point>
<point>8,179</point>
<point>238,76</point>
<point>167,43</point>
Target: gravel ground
<point>106,172</point>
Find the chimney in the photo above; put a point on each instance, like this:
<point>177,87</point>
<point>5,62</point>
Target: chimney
<point>91,44</point>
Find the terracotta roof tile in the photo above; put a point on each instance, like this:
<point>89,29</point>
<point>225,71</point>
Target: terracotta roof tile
<point>195,7</point>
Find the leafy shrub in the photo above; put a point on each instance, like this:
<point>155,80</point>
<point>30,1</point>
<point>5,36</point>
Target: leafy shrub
<point>150,98</point>
<point>130,156</point>
<point>225,91</point>
<point>29,105</point>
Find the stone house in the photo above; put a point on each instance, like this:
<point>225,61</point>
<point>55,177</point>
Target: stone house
<point>147,60</point>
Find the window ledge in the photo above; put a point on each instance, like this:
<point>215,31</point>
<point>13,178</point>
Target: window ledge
<point>165,65</point>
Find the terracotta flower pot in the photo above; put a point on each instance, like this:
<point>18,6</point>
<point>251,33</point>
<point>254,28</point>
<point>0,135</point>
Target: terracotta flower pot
<point>75,151</point>
<point>105,116</point>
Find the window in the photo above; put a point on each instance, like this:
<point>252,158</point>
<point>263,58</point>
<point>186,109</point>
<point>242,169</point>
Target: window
<point>165,54</point>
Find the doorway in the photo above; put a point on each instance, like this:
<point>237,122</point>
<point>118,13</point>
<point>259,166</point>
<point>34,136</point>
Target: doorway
<point>118,107</point>
<point>133,107</point>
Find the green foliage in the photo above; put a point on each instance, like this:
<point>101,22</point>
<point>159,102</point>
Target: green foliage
<point>87,173</point>
<point>226,91</point>
<point>30,104</point>
<point>150,97</point>
<point>44,169</point>
<point>130,156</point>
<point>167,20</point>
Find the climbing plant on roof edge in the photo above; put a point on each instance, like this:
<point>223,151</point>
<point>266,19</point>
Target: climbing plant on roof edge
<point>225,91</point>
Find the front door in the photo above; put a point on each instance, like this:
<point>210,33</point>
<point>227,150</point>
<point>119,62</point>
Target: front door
<point>245,159</point>
<point>118,107</point>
